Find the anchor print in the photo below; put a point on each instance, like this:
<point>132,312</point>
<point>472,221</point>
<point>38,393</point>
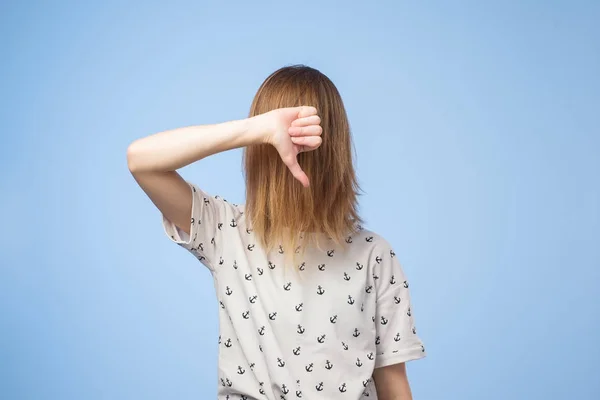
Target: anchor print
<point>287,286</point>
<point>284,389</point>
<point>260,348</point>
<point>365,383</point>
<point>406,284</point>
<point>248,277</point>
<point>219,225</point>
<point>384,320</point>
<point>330,253</point>
<point>280,362</point>
<point>248,231</point>
<point>309,367</point>
<point>244,397</point>
<point>246,314</point>
<point>342,388</point>
<point>378,259</point>
<point>392,254</point>
<point>414,330</point>
<point>319,387</point>
<point>301,267</point>
<point>358,363</point>
<point>206,201</point>
<point>241,370</point>
<point>350,300</point>
<point>349,239</point>
<point>370,356</point>
<point>271,265</point>
<point>228,291</point>
<point>299,393</point>
<point>296,351</point>
<point>422,349</point>
<point>261,330</point>
<point>212,241</point>
<point>333,319</point>
<point>228,343</point>
<point>221,261</point>
<point>301,329</point>
<point>320,290</point>
<point>219,339</point>
<point>328,365</point>
<point>201,247</point>
<point>321,267</point>
<point>392,280</point>
<point>321,339</point>
<point>280,249</point>
<point>359,266</point>
<point>408,312</point>
<point>377,340</point>
<point>299,307</point>
<point>222,305</point>
<point>233,224</point>
<point>252,365</point>
<point>369,288</point>
<point>397,337</point>
<point>373,318</point>
<point>252,299</point>
<point>235,266</point>
<point>261,390</point>
<point>345,346</point>
<point>397,299</point>
<point>272,316</point>
<point>228,382</point>
<point>297,250</point>
<point>362,306</point>
<point>356,333</point>
<point>375,277</point>
<point>260,270</point>
<point>346,276</point>
<point>369,239</point>
<point>250,247</point>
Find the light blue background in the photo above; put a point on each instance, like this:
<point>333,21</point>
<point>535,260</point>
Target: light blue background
<point>476,128</point>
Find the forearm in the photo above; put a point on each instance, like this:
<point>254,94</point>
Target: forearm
<point>176,148</point>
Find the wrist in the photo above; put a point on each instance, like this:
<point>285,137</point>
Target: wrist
<point>257,129</point>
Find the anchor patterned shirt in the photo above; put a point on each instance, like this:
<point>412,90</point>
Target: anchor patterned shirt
<point>314,333</point>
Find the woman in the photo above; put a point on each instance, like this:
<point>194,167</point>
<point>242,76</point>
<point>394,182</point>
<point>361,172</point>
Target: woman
<point>312,305</point>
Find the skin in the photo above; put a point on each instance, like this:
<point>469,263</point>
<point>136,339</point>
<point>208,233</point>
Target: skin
<point>391,382</point>
<point>154,160</point>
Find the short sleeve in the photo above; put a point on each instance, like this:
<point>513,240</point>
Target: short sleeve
<point>397,339</point>
<point>212,219</point>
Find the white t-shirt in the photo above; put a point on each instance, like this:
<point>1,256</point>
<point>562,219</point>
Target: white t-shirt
<point>314,333</point>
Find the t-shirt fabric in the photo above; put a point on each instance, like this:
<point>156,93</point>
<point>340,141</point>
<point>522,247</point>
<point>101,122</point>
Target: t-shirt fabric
<point>314,333</point>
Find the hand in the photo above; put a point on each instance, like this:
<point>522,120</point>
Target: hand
<point>291,131</point>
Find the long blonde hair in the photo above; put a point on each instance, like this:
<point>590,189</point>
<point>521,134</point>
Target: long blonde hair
<point>280,209</point>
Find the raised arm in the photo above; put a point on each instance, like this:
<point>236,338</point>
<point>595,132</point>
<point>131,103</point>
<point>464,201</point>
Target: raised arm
<point>153,160</point>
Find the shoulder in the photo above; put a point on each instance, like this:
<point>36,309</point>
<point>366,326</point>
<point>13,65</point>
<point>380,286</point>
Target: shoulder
<point>215,201</point>
<point>372,242</point>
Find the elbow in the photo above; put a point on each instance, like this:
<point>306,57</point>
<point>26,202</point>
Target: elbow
<point>133,157</point>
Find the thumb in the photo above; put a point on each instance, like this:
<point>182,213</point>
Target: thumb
<point>297,172</point>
